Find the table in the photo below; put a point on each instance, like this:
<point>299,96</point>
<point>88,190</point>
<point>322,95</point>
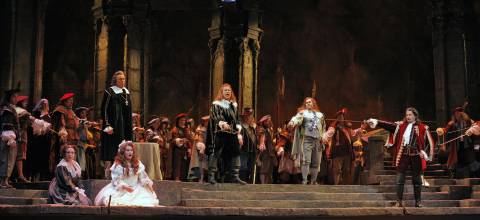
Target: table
<point>149,154</point>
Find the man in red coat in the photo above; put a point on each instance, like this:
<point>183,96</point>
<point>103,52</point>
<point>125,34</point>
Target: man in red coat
<point>410,141</point>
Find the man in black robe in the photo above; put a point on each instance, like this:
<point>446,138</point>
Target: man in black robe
<point>116,114</point>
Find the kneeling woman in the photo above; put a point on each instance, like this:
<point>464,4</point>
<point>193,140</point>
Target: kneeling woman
<point>130,184</point>
<point>66,187</point>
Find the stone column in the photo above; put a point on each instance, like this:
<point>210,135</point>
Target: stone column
<point>450,61</point>
<point>122,34</point>
<point>22,45</point>
<point>109,53</point>
<point>235,36</point>
<point>136,60</point>
<point>40,48</point>
<point>438,37</point>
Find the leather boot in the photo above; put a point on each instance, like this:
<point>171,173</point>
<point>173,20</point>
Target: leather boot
<point>417,192</point>
<point>400,187</point>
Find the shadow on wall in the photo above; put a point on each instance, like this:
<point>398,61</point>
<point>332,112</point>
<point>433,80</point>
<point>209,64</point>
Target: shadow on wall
<point>374,62</point>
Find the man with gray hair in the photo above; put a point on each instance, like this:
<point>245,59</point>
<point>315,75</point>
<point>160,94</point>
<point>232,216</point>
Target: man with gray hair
<point>116,113</point>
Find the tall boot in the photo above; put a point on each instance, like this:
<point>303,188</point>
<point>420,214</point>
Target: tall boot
<point>417,191</point>
<point>236,179</point>
<point>235,171</point>
<point>305,171</point>
<point>400,187</point>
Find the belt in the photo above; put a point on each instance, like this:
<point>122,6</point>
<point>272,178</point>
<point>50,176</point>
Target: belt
<point>409,151</point>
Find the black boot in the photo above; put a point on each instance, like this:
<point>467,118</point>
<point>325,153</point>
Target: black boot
<point>417,192</point>
<point>399,202</point>
<point>400,186</point>
<point>235,178</point>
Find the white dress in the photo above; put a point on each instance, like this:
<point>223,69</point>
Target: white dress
<point>141,195</point>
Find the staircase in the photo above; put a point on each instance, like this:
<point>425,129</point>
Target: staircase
<point>25,194</point>
<point>444,197</point>
<point>443,192</point>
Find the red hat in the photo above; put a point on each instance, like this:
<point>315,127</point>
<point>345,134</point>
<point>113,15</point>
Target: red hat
<point>67,96</point>
<point>181,115</point>
<point>21,98</point>
<point>342,111</point>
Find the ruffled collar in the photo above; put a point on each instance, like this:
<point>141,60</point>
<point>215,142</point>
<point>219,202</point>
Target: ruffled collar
<point>74,168</point>
<point>224,103</point>
<point>118,90</point>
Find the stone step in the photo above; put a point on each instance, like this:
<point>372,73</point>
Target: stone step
<point>389,161</point>
<point>476,188</point>
<point>439,182</point>
<point>393,177</point>
<point>429,167</point>
<point>427,173</point>
<point>30,193</point>
<point>43,185</point>
<point>476,195</point>
<point>470,203</point>
<point>7,200</point>
<point>305,188</point>
<point>189,213</point>
<point>315,203</point>
<point>305,196</point>
<point>468,181</point>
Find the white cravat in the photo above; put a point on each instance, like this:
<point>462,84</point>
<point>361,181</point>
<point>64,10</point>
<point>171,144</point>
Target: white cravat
<point>406,135</point>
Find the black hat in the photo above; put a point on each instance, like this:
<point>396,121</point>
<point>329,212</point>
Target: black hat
<point>7,95</point>
<point>79,110</point>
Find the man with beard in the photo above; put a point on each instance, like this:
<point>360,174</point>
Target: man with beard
<point>224,137</point>
<point>341,137</point>
<point>181,142</point>
<point>248,151</point>
<point>116,111</point>
<point>267,159</point>
<point>411,141</point>
<point>461,156</point>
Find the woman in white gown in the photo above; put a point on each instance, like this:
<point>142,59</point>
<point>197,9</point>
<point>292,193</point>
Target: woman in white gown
<point>130,184</point>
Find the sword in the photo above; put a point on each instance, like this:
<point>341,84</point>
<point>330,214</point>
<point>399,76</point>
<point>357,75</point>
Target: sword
<point>454,139</point>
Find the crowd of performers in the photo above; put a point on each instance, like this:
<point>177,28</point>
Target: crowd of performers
<point>228,145</point>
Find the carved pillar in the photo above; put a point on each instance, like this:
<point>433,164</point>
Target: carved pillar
<point>449,56</point>
<point>235,36</point>
<point>438,46</point>
<point>136,60</point>
<point>456,76</point>
<point>22,48</point>
<point>40,46</point>
<point>122,33</point>
<point>109,53</point>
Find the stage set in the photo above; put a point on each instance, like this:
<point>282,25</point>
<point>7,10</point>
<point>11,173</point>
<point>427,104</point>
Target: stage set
<point>240,109</point>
